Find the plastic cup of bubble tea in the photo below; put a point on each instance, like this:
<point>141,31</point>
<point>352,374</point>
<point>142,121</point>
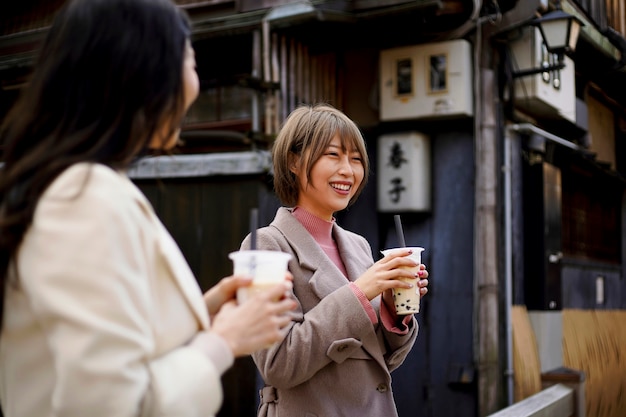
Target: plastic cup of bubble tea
<point>407,300</point>
<point>267,269</point>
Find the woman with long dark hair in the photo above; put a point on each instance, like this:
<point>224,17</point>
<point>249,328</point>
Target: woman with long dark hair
<point>101,315</point>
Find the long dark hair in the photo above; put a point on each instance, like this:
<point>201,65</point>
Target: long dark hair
<point>107,79</point>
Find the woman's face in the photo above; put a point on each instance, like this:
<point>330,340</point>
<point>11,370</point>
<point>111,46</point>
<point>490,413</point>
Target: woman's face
<point>191,88</point>
<point>191,84</point>
<point>335,178</point>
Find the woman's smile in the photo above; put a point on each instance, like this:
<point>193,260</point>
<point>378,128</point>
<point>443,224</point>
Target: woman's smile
<point>342,187</point>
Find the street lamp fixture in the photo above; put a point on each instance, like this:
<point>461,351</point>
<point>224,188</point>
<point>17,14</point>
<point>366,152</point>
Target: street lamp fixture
<point>559,31</point>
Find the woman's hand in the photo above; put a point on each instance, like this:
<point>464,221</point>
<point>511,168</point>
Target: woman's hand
<point>258,322</point>
<point>388,273</point>
<point>422,284</point>
<point>226,290</point>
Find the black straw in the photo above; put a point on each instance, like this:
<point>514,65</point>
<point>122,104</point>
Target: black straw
<point>254,220</point>
<point>399,231</point>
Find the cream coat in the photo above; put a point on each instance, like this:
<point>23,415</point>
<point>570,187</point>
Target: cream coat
<point>99,321</point>
<point>333,362</point>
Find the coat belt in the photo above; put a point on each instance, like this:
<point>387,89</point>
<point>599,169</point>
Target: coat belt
<point>268,395</point>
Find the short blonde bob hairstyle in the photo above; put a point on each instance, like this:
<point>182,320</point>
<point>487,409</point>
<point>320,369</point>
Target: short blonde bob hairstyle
<point>303,139</point>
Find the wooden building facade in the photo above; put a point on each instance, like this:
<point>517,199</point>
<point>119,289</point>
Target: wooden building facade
<point>526,203</point>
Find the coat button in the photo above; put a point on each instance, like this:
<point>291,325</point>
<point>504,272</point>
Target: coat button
<point>382,387</point>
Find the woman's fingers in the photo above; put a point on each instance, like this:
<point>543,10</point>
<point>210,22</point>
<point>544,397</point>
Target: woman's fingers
<point>278,292</point>
<point>398,254</point>
<point>397,260</point>
<point>422,285</point>
<point>225,290</point>
<point>423,272</point>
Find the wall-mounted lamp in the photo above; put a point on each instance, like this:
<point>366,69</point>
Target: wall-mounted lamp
<point>537,76</point>
<point>559,31</point>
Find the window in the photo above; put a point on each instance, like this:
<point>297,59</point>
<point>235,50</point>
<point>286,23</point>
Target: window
<point>591,213</point>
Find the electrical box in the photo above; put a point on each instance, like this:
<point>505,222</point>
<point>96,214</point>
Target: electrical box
<point>426,81</point>
<point>404,172</point>
<point>551,94</point>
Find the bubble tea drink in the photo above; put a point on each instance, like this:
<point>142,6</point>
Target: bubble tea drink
<point>267,268</point>
<point>407,300</point>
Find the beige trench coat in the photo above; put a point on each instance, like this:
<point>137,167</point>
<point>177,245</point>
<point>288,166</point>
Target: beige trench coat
<point>99,322</point>
<point>334,361</point>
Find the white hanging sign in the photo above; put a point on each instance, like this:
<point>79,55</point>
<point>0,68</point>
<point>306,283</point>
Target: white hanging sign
<point>404,172</point>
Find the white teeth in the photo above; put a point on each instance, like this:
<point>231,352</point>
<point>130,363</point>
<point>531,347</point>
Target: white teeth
<point>342,187</point>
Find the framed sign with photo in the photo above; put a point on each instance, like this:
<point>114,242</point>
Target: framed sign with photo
<point>438,73</point>
<point>404,77</point>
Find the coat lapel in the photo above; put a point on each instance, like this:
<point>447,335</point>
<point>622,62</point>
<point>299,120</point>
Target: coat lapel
<point>325,277</point>
<point>179,269</point>
<point>356,259</point>
<point>183,276</point>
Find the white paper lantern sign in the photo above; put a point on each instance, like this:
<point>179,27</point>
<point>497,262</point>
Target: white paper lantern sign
<point>404,183</point>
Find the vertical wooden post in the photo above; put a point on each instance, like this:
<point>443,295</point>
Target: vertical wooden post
<point>487,251</point>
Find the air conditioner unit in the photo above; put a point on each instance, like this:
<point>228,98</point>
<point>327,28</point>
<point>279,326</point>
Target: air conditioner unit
<point>426,81</point>
<point>549,95</point>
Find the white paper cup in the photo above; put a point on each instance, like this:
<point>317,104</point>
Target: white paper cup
<point>267,268</point>
<point>407,300</point>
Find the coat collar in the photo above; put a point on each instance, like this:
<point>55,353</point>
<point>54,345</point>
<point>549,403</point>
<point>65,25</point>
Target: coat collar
<point>311,256</point>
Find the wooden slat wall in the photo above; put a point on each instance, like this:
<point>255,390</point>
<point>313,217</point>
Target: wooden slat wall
<point>526,365</point>
<point>596,10</point>
<point>311,77</point>
<point>594,341</point>
<point>616,15</point>
<point>606,13</point>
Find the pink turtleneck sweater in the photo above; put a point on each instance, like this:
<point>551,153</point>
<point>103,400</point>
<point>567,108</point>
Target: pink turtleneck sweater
<point>322,231</point>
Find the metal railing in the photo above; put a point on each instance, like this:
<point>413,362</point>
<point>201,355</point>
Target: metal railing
<point>563,395</point>
<point>556,401</point>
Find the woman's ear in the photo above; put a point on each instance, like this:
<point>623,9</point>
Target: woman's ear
<point>294,163</point>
